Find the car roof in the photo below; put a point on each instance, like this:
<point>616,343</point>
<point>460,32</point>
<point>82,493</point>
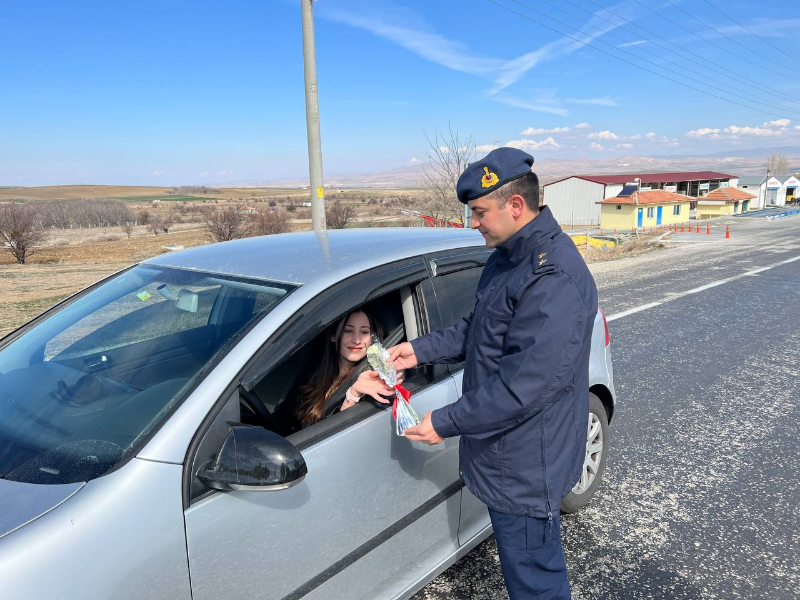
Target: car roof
<point>308,256</point>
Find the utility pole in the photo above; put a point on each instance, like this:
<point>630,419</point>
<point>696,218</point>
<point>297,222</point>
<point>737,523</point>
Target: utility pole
<point>312,119</point>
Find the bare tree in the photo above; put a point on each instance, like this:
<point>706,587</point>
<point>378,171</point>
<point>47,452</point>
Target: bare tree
<point>20,230</point>
<point>269,222</point>
<point>127,229</point>
<point>226,224</point>
<point>156,225</point>
<point>339,215</point>
<point>777,164</point>
<point>448,158</point>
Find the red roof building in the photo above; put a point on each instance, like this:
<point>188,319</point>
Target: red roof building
<point>575,200</point>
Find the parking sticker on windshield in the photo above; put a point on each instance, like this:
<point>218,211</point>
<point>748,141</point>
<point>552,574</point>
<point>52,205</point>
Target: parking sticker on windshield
<point>143,296</point>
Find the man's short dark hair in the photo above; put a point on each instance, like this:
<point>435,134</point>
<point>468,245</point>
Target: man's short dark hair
<point>526,186</point>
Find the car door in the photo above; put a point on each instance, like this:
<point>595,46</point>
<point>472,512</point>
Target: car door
<point>374,514</point>
<point>455,280</point>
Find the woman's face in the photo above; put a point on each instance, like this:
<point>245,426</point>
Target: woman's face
<point>356,338</point>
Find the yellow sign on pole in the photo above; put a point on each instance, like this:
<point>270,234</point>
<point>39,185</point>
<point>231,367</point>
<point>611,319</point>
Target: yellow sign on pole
<point>320,192</point>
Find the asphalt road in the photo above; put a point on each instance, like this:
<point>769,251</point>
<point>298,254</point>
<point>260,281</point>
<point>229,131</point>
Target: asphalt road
<point>701,497</point>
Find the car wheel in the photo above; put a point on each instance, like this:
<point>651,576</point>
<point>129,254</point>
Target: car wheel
<point>598,442</point>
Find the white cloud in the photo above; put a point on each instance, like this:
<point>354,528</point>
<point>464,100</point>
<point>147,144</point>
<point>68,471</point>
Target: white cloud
<point>596,146</point>
<point>624,146</point>
<point>703,132</point>
<point>650,135</point>
<point>413,161</point>
<point>638,136</point>
<point>583,126</point>
<point>604,101</point>
<point>663,139</point>
<point>754,131</point>
<point>529,145</point>
<point>485,148</point>
<point>220,173</point>
<point>603,135</point>
<point>541,105</point>
<point>797,126</point>
<point>778,123</point>
<point>535,131</point>
<point>157,173</point>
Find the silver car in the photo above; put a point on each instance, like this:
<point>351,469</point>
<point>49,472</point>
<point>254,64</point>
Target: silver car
<point>135,449</point>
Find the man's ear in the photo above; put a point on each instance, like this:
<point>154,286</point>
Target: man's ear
<point>518,204</point>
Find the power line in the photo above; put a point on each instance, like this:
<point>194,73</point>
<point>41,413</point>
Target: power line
<point>769,105</point>
<point>685,51</point>
<point>725,35</point>
<point>748,31</point>
<point>705,40</point>
<point>750,97</point>
<point>633,64</point>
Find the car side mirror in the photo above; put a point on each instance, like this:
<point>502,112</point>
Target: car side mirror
<point>254,459</point>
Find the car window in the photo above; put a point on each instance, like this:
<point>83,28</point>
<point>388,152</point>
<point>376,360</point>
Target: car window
<point>132,318</point>
<point>455,293</point>
<point>82,388</point>
<point>278,390</point>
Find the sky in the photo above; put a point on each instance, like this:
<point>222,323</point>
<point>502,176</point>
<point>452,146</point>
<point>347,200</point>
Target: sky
<point>175,92</point>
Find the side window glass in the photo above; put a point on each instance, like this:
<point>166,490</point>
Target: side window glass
<point>455,294</point>
<point>274,400</point>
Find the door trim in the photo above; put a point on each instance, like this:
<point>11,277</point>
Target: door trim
<point>375,541</point>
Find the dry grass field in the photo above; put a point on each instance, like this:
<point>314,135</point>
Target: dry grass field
<point>71,259</point>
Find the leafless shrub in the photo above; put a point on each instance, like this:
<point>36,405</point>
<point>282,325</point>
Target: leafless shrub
<point>269,222</point>
<point>777,165</point>
<point>87,212</point>
<point>156,226</point>
<point>127,229</point>
<point>20,230</point>
<point>448,158</point>
<point>226,224</point>
<point>339,215</point>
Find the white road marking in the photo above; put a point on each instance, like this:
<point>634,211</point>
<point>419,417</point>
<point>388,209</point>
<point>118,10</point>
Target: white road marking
<point>625,313</point>
<point>702,288</point>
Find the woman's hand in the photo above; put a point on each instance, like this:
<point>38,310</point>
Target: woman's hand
<point>371,384</point>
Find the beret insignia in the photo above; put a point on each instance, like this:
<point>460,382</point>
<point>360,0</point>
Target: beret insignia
<point>489,179</point>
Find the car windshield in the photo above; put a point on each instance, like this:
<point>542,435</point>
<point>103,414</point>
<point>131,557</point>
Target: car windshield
<point>83,387</point>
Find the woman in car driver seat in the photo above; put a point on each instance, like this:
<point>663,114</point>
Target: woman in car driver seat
<point>342,359</point>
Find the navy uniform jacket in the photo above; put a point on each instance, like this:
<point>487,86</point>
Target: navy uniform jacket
<point>525,404</point>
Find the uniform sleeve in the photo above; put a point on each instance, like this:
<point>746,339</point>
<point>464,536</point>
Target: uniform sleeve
<point>543,340</point>
<point>443,346</point>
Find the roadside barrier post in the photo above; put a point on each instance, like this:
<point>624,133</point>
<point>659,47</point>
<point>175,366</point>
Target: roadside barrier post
<point>728,233</point>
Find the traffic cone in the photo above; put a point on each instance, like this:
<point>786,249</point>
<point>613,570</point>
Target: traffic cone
<point>651,230</point>
<point>728,233</point>
<point>698,227</point>
<point>708,228</point>
<point>681,228</point>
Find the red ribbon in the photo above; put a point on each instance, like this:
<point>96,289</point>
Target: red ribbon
<point>404,393</point>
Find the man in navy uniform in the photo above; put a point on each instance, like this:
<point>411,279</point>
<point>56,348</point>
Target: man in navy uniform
<point>525,404</point>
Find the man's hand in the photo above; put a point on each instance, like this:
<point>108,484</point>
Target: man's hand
<point>403,356</point>
<point>424,432</point>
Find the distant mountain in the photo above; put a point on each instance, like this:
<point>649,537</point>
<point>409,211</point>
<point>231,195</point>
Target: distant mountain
<point>790,151</point>
<point>735,162</point>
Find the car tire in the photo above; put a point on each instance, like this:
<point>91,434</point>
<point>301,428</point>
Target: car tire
<point>598,442</point>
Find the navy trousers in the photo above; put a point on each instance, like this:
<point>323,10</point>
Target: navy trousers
<point>531,556</point>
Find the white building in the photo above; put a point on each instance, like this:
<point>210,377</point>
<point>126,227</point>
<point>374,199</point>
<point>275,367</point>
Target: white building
<point>573,200</point>
<point>771,191</point>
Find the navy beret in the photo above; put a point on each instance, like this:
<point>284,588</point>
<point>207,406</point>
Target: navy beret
<point>497,168</point>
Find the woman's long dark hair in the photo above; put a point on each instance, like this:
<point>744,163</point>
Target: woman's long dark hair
<point>313,395</point>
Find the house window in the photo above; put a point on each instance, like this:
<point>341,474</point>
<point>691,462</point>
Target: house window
<point>676,210</point>
<point>650,212</point>
<point>619,206</point>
